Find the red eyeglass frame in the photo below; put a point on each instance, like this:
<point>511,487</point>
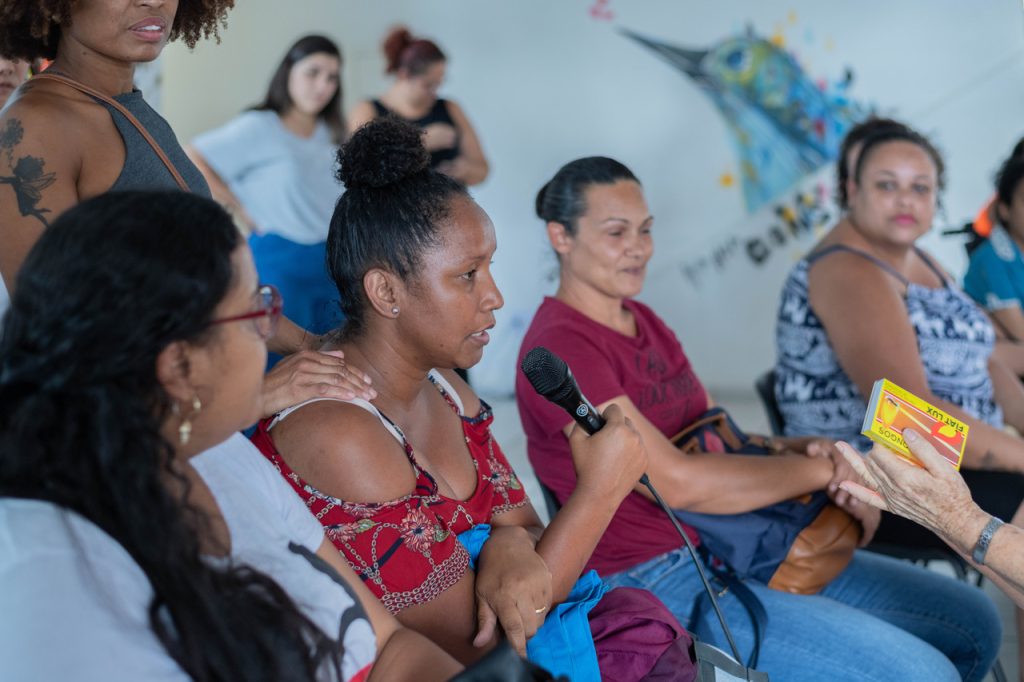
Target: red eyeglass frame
<point>271,311</point>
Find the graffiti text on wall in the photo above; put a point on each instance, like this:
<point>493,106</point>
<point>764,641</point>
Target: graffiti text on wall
<point>806,213</point>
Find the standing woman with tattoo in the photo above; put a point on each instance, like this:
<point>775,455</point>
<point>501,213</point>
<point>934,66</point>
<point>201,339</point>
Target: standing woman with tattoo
<point>66,136</point>
<point>61,141</point>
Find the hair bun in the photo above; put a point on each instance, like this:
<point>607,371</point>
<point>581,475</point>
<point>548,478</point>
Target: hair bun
<point>382,152</point>
<point>394,45</point>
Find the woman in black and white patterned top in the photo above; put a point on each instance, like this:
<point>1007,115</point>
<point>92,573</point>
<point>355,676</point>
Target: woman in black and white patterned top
<point>868,303</point>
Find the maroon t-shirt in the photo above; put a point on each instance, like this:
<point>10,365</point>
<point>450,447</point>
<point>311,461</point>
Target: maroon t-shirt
<point>652,370</point>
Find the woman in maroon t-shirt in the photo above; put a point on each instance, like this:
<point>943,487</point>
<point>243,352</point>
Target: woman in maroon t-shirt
<point>622,353</point>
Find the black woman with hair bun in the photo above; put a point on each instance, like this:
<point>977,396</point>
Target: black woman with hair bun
<point>399,481</point>
<point>130,547</point>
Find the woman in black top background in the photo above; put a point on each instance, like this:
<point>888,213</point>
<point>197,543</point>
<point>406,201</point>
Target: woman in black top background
<point>419,68</point>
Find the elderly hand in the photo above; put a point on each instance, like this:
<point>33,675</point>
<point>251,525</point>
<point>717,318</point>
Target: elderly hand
<point>513,588</point>
<point>312,374</point>
<point>934,496</point>
<point>868,516</point>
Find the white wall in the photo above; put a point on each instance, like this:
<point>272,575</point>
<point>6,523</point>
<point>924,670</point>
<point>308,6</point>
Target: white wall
<point>546,82</point>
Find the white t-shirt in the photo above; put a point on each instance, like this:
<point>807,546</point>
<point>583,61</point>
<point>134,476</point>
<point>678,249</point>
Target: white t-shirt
<point>74,605</point>
<point>285,182</point>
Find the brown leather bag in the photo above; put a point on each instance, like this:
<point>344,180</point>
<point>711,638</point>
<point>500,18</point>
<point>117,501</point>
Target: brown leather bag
<point>821,549</point>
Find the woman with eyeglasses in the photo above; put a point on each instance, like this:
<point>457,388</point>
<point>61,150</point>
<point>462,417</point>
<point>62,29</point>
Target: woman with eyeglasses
<point>130,548</point>
<point>60,144</point>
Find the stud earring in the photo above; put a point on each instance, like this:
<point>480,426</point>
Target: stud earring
<point>185,429</point>
<point>394,310</point>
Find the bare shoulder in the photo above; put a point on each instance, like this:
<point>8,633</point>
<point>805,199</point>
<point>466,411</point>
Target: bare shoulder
<point>470,400</point>
<point>458,114</point>
<point>364,107</point>
<point>60,127</point>
<point>53,112</point>
<point>363,112</point>
<point>845,274</point>
<point>454,109</point>
<point>343,450</point>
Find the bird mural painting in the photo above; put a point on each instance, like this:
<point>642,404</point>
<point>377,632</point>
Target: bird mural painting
<point>783,125</point>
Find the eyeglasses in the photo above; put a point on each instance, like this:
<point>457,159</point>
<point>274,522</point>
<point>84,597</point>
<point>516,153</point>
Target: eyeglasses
<point>266,316</point>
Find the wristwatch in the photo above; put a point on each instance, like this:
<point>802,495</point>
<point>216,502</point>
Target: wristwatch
<point>981,546</point>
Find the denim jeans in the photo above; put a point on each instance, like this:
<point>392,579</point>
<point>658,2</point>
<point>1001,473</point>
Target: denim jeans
<point>299,271</point>
<point>880,619</point>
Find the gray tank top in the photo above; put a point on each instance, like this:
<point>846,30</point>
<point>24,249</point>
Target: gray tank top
<point>143,169</point>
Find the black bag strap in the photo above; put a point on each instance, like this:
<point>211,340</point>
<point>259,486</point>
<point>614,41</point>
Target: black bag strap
<point>749,675</point>
<point>746,597</point>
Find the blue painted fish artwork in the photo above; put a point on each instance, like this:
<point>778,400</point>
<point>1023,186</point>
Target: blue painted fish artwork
<point>783,125</point>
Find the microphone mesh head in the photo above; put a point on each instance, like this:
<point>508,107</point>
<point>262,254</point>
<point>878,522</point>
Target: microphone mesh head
<point>546,372</point>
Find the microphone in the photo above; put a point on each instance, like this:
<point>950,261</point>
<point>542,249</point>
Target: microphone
<point>551,377</point>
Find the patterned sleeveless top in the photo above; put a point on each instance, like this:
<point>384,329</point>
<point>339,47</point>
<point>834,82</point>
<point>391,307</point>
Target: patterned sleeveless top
<point>405,550</point>
<point>954,338</point>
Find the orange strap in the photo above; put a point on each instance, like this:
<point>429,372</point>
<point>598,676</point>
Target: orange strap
<point>127,114</point>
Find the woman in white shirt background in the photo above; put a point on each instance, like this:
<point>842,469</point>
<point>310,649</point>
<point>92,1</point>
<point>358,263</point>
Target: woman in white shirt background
<point>272,167</point>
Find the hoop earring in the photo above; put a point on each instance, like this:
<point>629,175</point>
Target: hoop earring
<point>185,429</point>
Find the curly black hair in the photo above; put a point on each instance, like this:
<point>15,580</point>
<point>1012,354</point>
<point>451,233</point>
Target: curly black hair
<point>389,214</point>
<point>30,29</point>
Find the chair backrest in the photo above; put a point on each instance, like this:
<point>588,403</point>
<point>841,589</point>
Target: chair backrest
<point>765,386</point>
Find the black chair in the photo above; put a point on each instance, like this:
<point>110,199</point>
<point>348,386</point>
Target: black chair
<point>765,387</point>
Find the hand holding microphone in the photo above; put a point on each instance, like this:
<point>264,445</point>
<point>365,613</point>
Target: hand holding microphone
<point>607,451</point>
<point>610,462</point>
<point>550,376</point>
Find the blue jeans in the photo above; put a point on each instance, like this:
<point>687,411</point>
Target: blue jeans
<point>880,619</point>
<point>299,271</point>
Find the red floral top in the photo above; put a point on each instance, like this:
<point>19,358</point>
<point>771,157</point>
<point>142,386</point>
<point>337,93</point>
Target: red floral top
<point>406,550</point>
